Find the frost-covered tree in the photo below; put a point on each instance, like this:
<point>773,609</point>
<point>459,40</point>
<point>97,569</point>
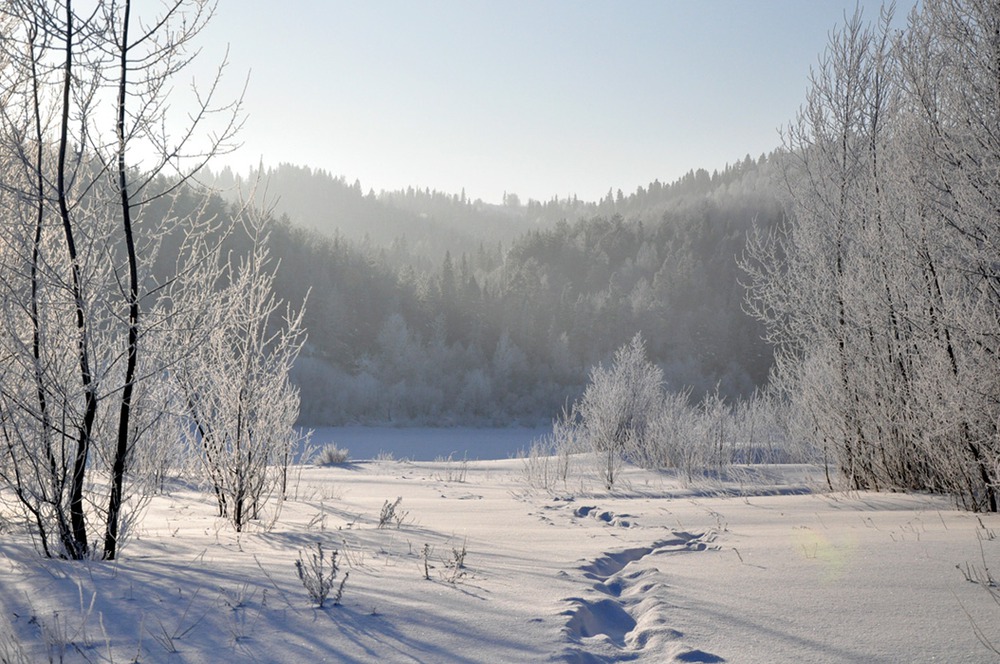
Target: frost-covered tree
<point>881,292</point>
<point>84,216</point>
<point>235,385</point>
<point>618,404</point>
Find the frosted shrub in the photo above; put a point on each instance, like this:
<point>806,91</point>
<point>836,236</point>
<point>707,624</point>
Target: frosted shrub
<point>241,404</point>
<point>616,407</point>
<point>668,442</point>
<point>763,429</point>
<point>331,455</point>
<point>454,471</point>
<point>538,466</point>
<point>565,443</point>
<point>626,414</point>
<point>715,431</point>
<point>318,575</point>
<point>549,460</point>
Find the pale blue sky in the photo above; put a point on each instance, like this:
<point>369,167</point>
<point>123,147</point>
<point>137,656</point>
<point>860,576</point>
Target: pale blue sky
<point>536,97</point>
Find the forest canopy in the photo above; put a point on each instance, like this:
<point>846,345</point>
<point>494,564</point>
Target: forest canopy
<point>504,322</point>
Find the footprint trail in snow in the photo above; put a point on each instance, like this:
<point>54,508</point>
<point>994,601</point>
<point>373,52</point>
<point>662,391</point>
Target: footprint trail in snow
<point>626,614</point>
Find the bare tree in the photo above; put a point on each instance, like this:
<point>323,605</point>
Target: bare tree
<point>146,57</point>
<point>617,405</point>
<point>240,401</point>
<point>83,309</point>
<point>952,76</point>
<point>882,291</point>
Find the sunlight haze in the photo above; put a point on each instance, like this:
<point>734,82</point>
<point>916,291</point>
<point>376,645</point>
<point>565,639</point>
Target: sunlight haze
<point>538,99</point>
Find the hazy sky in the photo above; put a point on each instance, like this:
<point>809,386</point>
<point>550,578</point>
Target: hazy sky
<point>540,98</point>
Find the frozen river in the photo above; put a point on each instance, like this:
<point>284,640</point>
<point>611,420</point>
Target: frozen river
<point>428,444</point>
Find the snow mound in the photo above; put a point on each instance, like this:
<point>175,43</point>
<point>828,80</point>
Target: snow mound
<point>604,516</point>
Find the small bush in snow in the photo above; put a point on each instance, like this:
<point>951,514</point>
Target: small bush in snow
<point>331,455</point>
<point>455,566</point>
<point>549,459</point>
<point>453,473</point>
<point>318,575</point>
<point>392,514</point>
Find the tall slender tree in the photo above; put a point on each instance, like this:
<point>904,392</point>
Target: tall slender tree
<point>79,248</point>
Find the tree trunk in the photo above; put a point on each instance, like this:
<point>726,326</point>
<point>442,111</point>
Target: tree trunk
<point>132,351</point>
<point>76,543</point>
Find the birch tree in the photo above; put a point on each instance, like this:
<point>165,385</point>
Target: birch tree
<point>85,94</point>
<point>618,404</point>
<point>805,286</point>
<point>882,292</point>
<point>240,404</point>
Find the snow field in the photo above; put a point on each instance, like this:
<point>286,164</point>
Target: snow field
<point>744,570</point>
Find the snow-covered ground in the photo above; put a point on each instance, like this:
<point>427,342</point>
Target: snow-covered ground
<point>761,566</point>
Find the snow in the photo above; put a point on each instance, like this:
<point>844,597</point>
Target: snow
<point>758,566</point>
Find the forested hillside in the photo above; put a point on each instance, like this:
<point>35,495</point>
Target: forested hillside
<point>508,331</point>
<point>415,223</point>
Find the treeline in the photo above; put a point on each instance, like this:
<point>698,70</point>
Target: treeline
<point>882,293</point>
<point>413,224</point>
<point>509,333</point>
<point>417,225</point>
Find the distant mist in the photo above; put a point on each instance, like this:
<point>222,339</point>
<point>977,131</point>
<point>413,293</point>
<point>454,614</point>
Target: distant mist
<point>428,308</point>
